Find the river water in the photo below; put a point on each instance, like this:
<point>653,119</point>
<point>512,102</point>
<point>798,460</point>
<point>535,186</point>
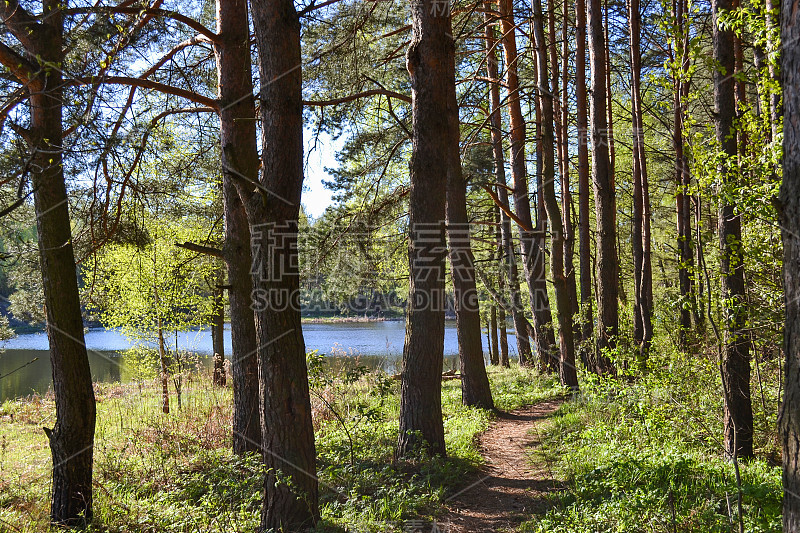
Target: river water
<point>374,344</point>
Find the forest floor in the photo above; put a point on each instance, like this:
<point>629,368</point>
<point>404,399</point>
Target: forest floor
<point>513,483</point>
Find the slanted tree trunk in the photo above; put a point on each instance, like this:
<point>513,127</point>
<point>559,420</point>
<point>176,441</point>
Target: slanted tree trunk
<point>218,336</point>
<point>430,60</point>
<point>642,270</point>
<point>475,389</point>
<point>604,194</point>
<point>566,368</point>
<point>72,437</point>
<point>506,239</point>
<point>239,164</point>
<point>738,413</point>
<point>532,253</point>
<point>584,235</point>
<point>789,420</point>
<point>290,487</point>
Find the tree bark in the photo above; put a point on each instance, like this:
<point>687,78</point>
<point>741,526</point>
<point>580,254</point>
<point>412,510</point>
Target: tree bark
<point>273,214</point>
<point>494,352</point>
<point>509,258</point>
<point>584,237</point>
<point>735,364</point>
<point>643,274</point>
<point>566,368</point>
<point>475,389</point>
<point>789,420</point>
<point>239,163</point>
<point>605,195</point>
<point>72,438</point>
<point>532,253</point>
<point>688,301</point>
<point>566,193</point>
<point>430,61</point>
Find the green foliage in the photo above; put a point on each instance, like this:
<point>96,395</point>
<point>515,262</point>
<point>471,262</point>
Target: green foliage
<point>647,455</point>
<point>155,289</point>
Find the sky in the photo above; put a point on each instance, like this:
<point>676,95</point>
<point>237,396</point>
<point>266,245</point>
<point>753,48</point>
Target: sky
<point>316,197</point>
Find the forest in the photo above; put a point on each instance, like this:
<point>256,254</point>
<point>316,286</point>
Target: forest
<point>581,217</point>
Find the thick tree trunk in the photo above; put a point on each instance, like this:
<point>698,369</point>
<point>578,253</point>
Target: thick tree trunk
<point>566,367</point>
<point>494,352</point>
<point>584,237</point>
<point>604,193</point>
<point>218,336</point>
<point>738,414</point>
<point>475,389</point>
<point>72,437</point>
<point>643,276</point>
<point>431,64</point>
<point>239,163</point>
<point>790,222</point>
<point>509,258</point>
<point>273,212</point>
<point>530,241</point>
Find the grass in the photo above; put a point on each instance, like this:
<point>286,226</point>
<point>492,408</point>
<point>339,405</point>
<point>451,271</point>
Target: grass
<point>645,454</point>
<point>175,473</point>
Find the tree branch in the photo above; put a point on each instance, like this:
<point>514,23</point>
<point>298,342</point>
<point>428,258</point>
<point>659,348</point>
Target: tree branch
<point>356,96</point>
<point>201,249</point>
<point>505,208</point>
<point>166,13</point>
<point>20,67</point>
<point>19,22</point>
<point>150,84</point>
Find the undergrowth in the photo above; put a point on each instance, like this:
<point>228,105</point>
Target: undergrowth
<point>644,453</point>
<point>175,473</point>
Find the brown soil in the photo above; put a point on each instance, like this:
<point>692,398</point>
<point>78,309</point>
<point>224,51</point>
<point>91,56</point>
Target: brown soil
<point>510,487</point>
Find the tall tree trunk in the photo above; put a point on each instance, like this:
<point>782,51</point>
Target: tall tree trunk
<point>688,300</point>
<point>218,336</point>
<point>494,352</point>
<point>789,420</point>
<point>475,389</point>
<point>273,213</point>
<point>584,237</point>
<point>72,438</point>
<point>532,253</point>
<point>738,414</point>
<point>566,368</point>
<point>431,64</point>
<point>509,258</point>
<point>604,193</point>
<point>239,147</point>
<point>643,274</point>
<point>566,192</point>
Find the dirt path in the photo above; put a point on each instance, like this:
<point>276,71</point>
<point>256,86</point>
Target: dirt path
<point>510,488</point>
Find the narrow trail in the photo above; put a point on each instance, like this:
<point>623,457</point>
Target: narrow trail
<point>509,488</point>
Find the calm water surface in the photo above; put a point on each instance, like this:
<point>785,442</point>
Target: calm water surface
<point>374,344</point>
